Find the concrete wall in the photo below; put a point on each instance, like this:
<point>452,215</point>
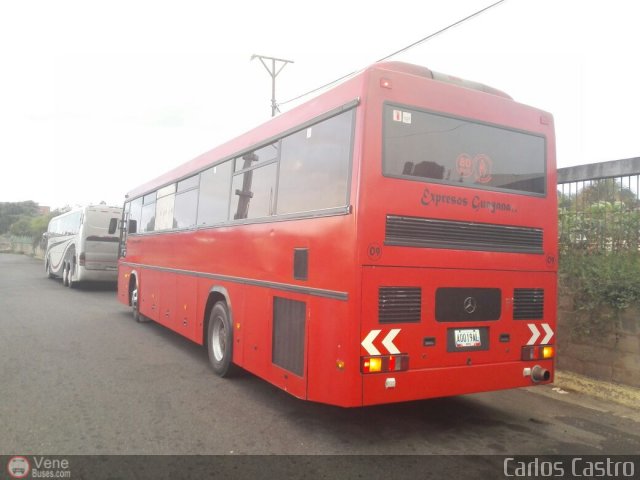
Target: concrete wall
<point>597,171</point>
<point>22,245</point>
<point>612,357</point>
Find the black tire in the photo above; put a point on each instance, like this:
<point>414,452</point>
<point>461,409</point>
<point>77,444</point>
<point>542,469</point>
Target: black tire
<point>71,266</point>
<point>220,341</point>
<point>65,274</point>
<point>135,305</point>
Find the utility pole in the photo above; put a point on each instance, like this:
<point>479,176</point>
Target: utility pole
<point>273,73</point>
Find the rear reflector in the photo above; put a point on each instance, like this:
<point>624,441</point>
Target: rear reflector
<point>386,363</point>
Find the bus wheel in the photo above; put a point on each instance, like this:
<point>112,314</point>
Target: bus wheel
<point>65,274</point>
<point>220,341</point>
<point>135,306</point>
<point>70,272</point>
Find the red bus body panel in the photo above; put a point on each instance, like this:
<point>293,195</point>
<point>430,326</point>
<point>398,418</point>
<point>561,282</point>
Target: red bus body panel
<point>249,264</point>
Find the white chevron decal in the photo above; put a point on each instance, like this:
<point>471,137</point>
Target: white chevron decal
<point>367,343</point>
<point>535,333</point>
<point>549,333</point>
<point>388,341</point>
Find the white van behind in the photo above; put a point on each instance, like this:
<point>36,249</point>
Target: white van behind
<point>79,247</point>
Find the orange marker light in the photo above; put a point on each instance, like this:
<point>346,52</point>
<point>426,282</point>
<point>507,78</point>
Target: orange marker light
<point>385,83</point>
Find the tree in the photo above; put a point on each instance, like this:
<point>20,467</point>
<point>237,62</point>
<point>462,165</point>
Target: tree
<point>605,190</point>
<point>21,228</point>
<point>603,216</point>
<point>11,212</point>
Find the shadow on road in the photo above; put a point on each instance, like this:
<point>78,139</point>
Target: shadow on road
<point>96,287</point>
<point>443,419</point>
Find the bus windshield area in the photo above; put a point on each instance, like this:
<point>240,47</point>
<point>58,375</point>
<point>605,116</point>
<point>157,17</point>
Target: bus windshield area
<point>432,147</point>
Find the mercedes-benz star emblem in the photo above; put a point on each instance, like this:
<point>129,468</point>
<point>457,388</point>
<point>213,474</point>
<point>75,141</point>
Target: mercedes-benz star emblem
<point>470,304</point>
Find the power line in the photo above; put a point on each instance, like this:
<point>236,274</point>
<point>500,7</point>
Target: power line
<point>320,87</point>
<point>435,34</point>
<point>414,44</point>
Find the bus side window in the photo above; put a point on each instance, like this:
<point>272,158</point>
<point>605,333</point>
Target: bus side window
<point>254,183</point>
<point>135,213</point>
<point>314,166</point>
<point>186,203</point>
<point>213,199</point>
<point>148,219</point>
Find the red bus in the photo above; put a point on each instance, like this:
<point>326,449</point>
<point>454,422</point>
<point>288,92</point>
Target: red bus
<point>393,239</point>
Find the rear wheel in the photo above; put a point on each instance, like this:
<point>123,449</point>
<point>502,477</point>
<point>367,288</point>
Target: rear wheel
<point>220,341</point>
<point>70,271</point>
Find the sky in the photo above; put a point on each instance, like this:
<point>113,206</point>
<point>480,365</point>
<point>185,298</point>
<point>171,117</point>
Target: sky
<point>97,98</point>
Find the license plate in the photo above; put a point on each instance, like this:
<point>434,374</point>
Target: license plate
<point>467,338</point>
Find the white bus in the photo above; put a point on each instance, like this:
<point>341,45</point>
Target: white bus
<point>81,246</point>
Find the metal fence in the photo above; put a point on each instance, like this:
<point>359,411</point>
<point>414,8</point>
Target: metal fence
<point>599,206</point>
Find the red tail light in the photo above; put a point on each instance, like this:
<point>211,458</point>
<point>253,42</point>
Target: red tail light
<point>386,363</point>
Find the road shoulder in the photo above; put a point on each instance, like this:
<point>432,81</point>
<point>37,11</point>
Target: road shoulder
<point>620,400</point>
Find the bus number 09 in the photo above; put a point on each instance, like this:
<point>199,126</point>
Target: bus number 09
<point>374,251</point>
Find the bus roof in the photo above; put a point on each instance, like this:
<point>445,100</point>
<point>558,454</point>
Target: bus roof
<point>345,92</point>
<point>420,71</point>
<point>92,208</point>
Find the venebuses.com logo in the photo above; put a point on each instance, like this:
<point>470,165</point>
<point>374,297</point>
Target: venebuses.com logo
<point>19,466</point>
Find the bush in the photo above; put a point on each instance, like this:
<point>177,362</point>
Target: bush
<point>602,285</point>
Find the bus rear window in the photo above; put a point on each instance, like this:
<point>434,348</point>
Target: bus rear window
<point>436,148</point>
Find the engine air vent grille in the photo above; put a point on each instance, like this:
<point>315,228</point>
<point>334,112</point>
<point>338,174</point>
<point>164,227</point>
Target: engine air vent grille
<point>399,304</point>
<point>433,233</point>
<point>528,303</point>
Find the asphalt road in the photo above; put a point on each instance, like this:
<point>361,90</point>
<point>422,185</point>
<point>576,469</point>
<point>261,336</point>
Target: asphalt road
<point>79,376</point>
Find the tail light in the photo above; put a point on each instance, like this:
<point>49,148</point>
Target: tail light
<point>385,363</point>
<point>82,259</point>
<point>538,352</point>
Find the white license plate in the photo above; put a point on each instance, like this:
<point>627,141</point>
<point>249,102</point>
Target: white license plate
<point>469,337</point>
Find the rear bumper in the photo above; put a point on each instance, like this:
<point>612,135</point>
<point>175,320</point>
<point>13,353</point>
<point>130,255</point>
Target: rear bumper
<point>449,381</point>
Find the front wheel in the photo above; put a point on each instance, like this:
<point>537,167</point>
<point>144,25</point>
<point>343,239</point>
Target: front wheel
<point>135,306</point>
<point>65,274</point>
<point>220,341</point>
